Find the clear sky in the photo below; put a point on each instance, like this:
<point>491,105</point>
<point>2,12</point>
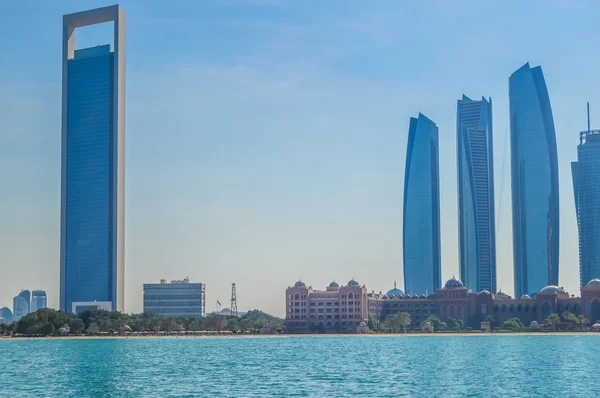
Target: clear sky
<point>266,139</point>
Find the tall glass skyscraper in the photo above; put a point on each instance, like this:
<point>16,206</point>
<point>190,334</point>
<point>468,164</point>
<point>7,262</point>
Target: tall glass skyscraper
<point>586,186</point>
<point>38,300</point>
<point>421,221</point>
<point>476,221</point>
<point>534,170</point>
<point>93,152</point>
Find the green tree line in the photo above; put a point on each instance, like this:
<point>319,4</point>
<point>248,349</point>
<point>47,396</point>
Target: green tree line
<point>47,322</point>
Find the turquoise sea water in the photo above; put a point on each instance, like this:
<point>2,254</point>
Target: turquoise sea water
<point>353,366</point>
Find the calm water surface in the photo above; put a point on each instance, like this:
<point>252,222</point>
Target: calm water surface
<point>394,366</point>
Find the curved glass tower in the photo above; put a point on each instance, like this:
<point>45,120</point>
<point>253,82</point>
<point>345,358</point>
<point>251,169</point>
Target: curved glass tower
<point>421,220</point>
<point>534,174</point>
<point>6,315</point>
<point>21,304</point>
<point>586,186</point>
<point>476,222</point>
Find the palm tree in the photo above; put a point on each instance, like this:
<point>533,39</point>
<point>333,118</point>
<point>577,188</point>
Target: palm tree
<point>552,319</point>
<point>404,319</point>
<point>582,321</point>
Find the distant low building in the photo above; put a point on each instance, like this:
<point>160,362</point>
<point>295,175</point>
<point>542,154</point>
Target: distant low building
<point>178,298</point>
<point>362,328</point>
<point>227,312</point>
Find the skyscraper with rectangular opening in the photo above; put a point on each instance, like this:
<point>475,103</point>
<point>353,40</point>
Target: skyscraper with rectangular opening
<point>421,219</point>
<point>476,221</point>
<point>93,166</point>
<point>534,176</point>
<point>39,300</point>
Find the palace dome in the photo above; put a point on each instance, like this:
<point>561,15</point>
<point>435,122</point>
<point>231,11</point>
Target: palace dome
<point>552,289</point>
<point>352,282</point>
<point>454,283</point>
<point>486,292</point>
<point>395,292</point>
<point>334,284</point>
<point>299,284</point>
<point>525,297</point>
<point>594,282</point>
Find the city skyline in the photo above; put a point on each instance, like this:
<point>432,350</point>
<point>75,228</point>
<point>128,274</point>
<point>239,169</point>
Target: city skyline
<point>285,152</point>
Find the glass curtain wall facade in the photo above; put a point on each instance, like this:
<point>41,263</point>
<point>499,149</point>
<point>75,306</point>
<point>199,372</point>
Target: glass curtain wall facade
<point>178,298</point>
<point>38,300</point>
<point>586,187</point>
<point>20,307</point>
<point>476,220</point>
<point>534,175</point>
<point>92,213</point>
<point>26,294</point>
<point>421,219</point>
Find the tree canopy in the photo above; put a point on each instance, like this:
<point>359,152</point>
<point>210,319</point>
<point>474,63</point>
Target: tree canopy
<point>396,322</point>
<point>47,321</point>
<point>512,324</point>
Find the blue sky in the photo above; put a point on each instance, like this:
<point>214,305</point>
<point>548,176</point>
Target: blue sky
<point>266,139</point>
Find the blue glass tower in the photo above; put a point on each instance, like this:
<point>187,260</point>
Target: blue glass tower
<point>534,175</point>
<point>38,300</point>
<point>476,221</point>
<point>21,304</point>
<point>6,315</point>
<point>93,139</point>
<point>421,220</point>
<point>586,186</point>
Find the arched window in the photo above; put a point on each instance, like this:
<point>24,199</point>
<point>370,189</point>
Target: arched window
<point>297,296</point>
<point>350,295</point>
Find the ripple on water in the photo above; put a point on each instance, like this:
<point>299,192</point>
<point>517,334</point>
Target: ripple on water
<point>365,366</point>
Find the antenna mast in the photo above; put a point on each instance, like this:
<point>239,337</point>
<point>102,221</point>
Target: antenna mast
<point>588,115</point>
<point>234,310</point>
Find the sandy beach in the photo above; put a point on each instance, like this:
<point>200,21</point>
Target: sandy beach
<point>373,335</point>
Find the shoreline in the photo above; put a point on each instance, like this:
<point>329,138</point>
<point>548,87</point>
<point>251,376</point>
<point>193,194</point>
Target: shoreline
<point>374,335</point>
